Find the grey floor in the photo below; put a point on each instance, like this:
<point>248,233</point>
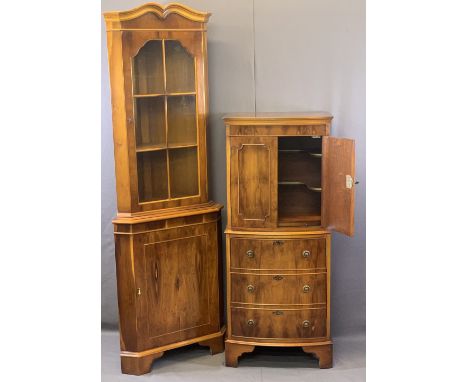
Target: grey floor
<point>194,363</point>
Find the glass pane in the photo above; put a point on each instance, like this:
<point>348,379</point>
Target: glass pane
<point>148,70</point>
<point>150,127</point>
<point>183,168</point>
<point>180,68</point>
<point>152,175</point>
<point>181,120</point>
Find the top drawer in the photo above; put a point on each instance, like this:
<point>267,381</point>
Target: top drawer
<point>280,130</point>
<point>278,254</point>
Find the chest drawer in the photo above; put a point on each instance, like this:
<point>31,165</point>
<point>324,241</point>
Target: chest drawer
<point>279,323</point>
<point>303,288</point>
<point>278,254</point>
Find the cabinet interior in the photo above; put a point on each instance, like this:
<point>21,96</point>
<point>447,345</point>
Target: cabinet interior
<point>166,131</point>
<point>299,181</point>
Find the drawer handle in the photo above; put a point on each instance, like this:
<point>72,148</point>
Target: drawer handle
<point>278,312</point>
<point>277,277</point>
<point>250,253</point>
<point>251,322</point>
<point>250,288</point>
<point>306,324</point>
<point>278,242</point>
<point>306,288</point>
<point>305,254</point>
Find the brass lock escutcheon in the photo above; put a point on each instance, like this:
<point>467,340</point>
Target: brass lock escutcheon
<point>250,288</point>
<point>306,288</point>
<point>277,277</point>
<point>306,324</point>
<point>278,242</point>
<point>250,253</point>
<point>278,312</point>
<point>305,254</point>
<point>251,322</point>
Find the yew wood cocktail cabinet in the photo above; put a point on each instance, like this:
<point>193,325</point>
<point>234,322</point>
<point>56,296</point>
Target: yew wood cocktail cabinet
<point>289,184</point>
<point>167,232</point>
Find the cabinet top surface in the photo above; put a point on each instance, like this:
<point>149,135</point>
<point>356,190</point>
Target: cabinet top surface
<point>277,116</point>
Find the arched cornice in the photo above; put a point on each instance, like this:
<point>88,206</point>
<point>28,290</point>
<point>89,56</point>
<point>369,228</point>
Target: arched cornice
<point>162,11</point>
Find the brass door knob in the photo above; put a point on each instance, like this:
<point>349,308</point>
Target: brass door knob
<point>250,288</point>
<point>306,288</point>
<point>306,324</point>
<point>251,322</point>
<point>250,253</point>
<point>305,254</point>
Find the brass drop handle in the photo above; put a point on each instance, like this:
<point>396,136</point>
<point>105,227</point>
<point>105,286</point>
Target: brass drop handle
<point>305,254</point>
<point>306,324</point>
<point>250,288</point>
<point>251,322</point>
<point>250,253</point>
<point>306,288</point>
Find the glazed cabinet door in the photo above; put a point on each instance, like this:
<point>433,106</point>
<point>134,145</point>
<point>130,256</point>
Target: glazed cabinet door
<point>165,125</point>
<point>253,182</point>
<point>177,285</point>
<point>338,184</point>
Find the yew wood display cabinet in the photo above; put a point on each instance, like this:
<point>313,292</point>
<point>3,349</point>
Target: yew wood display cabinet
<point>289,185</point>
<point>167,232</point>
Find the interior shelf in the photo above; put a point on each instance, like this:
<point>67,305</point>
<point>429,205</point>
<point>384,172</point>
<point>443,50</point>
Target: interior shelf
<point>314,189</point>
<point>162,94</point>
<point>181,146</point>
<point>299,220</point>
<point>146,148</point>
<point>313,155</point>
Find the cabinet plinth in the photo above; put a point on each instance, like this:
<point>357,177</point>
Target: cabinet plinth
<point>288,188</point>
<point>167,232</point>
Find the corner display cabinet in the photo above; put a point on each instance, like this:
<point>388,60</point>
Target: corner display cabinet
<point>167,233</point>
<point>289,184</point>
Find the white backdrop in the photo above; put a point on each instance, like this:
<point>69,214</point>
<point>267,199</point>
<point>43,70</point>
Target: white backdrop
<point>270,55</point>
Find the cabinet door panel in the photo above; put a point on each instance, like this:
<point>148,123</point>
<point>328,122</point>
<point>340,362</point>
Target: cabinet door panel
<point>338,184</point>
<point>155,116</point>
<point>177,278</point>
<point>254,175</point>
<point>176,281</point>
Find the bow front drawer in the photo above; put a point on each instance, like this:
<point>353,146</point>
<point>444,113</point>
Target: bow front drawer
<point>280,323</point>
<point>305,288</point>
<point>278,253</point>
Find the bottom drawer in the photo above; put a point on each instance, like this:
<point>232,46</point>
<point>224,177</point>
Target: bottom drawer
<point>279,323</point>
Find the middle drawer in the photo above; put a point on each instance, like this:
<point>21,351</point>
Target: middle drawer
<point>285,254</point>
<point>304,288</point>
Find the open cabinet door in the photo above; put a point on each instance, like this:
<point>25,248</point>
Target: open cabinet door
<point>338,184</point>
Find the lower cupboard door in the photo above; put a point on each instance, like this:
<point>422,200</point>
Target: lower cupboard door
<point>179,295</point>
<point>279,323</point>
